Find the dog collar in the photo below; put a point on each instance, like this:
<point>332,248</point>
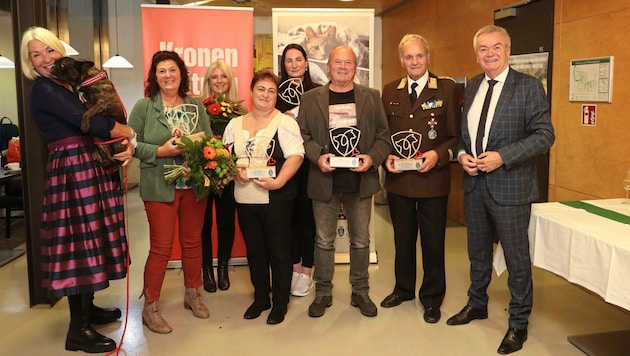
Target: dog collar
<point>94,79</point>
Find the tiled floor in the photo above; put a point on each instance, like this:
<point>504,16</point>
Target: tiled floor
<point>560,309</point>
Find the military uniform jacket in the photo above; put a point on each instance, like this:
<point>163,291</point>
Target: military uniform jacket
<point>437,116</point>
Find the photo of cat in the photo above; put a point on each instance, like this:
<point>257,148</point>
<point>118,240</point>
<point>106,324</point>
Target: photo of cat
<point>353,29</point>
<point>319,45</point>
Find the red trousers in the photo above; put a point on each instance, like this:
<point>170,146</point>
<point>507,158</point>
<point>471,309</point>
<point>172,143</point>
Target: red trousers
<point>189,212</point>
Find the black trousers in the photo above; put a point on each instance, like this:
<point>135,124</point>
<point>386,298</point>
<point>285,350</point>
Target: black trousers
<point>429,216</point>
<point>225,207</point>
<point>303,222</point>
<point>267,233</point>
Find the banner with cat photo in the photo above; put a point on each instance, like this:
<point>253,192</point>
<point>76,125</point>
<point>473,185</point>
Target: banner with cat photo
<point>318,31</point>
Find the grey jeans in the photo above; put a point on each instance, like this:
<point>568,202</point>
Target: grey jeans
<point>326,213</point>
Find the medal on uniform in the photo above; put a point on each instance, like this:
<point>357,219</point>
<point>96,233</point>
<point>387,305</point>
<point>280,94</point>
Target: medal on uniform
<point>432,124</point>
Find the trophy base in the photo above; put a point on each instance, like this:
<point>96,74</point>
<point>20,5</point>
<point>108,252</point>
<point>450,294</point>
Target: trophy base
<point>194,137</point>
<point>255,173</point>
<point>343,162</point>
<point>408,164</point>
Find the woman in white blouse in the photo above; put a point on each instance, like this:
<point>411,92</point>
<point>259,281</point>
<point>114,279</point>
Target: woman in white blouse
<point>265,139</point>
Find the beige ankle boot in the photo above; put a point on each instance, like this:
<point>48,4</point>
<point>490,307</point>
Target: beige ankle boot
<point>192,301</point>
<point>152,318</point>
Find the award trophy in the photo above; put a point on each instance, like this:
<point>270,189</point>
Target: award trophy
<point>407,145</point>
<point>259,149</point>
<point>183,118</point>
<point>345,141</point>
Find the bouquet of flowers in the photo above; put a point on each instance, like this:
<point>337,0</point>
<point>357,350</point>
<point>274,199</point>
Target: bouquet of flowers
<point>211,165</point>
<point>221,111</point>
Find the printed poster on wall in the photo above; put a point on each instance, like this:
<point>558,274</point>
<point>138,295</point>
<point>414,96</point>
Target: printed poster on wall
<point>534,64</point>
<point>591,79</point>
<point>202,35</point>
<point>318,31</point>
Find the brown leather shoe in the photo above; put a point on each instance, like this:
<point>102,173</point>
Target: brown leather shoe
<point>467,315</point>
<point>192,301</point>
<point>152,318</point>
<point>513,341</point>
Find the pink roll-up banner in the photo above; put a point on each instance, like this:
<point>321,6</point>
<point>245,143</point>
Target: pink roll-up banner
<point>202,35</point>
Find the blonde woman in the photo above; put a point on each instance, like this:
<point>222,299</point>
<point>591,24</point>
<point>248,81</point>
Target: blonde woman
<point>219,79</point>
<point>84,244</point>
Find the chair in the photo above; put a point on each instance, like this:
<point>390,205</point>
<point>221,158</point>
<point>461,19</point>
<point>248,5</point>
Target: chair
<point>11,200</point>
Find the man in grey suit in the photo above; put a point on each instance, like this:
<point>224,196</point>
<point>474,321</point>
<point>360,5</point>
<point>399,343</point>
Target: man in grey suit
<point>505,125</point>
<point>342,104</point>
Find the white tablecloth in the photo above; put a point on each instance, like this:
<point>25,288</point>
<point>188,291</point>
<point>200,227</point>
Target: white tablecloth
<point>586,249</point>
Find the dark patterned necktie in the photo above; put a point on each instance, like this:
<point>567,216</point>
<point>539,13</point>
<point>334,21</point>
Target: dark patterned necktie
<point>482,119</point>
<point>412,95</point>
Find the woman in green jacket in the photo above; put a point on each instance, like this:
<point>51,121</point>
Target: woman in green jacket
<point>165,114</point>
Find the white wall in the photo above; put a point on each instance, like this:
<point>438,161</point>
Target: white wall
<point>8,100</point>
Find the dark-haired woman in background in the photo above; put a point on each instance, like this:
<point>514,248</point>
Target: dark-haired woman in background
<point>294,82</point>
<point>165,114</point>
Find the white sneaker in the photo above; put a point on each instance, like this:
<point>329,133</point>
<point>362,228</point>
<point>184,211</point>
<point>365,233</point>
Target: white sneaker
<point>302,286</point>
<point>294,278</point>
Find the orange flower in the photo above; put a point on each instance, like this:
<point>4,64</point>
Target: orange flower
<point>211,165</point>
<point>209,152</point>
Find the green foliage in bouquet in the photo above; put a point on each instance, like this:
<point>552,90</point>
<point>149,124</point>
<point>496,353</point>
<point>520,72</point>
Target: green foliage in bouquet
<point>211,165</point>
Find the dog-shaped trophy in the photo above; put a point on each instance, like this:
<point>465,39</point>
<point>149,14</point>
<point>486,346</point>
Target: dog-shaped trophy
<point>98,94</point>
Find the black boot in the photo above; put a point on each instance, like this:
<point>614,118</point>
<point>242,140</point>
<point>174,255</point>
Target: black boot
<point>222,275</point>
<point>209,284</point>
<point>102,316</point>
<point>81,336</point>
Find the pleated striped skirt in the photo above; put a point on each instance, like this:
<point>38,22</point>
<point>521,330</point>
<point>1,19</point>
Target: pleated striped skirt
<point>84,243</point>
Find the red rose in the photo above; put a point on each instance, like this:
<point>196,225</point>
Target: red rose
<point>214,109</point>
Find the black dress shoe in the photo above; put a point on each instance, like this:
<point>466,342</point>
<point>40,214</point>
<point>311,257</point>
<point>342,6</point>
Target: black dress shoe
<point>394,300</point>
<point>277,314</point>
<point>432,314</point>
<point>513,341</point>
<point>257,307</point>
<point>466,315</point>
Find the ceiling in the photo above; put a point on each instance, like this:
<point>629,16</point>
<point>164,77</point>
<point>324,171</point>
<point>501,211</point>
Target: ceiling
<point>263,7</point>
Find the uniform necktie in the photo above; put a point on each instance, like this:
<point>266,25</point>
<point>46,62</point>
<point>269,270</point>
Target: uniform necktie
<point>412,95</point>
<point>482,119</point>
